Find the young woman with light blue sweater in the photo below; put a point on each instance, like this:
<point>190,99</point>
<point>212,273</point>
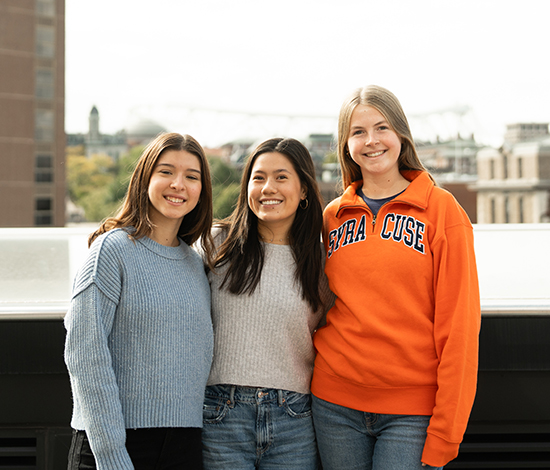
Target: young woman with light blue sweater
<point>139,335</point>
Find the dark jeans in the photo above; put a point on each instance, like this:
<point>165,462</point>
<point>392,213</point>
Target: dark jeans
<point>149,449</point>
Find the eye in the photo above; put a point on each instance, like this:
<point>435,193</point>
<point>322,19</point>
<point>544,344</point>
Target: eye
<point>193,177</point>
<point>383,128</point>
<point>165,172</point>
<point>357,132</point>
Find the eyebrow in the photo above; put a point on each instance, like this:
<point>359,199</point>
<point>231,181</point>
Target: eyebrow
<point>172,166</point>
<point>377,124</point>
<point>281,170</point>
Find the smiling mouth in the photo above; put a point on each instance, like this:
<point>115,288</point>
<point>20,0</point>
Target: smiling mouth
<point>174,199</point>
<point>375,154</point>
<point>270,202</point>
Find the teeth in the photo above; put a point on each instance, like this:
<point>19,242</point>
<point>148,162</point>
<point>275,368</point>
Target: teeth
<point>270,203</point>
<point>174,199</point>
<point>376,154</point>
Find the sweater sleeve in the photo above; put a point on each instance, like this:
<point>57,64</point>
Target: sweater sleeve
<point>457,320</point>
<point>88,358</point>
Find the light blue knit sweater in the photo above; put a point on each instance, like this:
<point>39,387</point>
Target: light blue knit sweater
<point>139,341</point>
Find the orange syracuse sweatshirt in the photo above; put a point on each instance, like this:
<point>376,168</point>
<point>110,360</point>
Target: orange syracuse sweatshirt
<point>402,337</point>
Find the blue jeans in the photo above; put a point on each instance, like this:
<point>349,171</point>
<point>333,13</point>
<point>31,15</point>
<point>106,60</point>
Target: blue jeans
<point>257,428</point>
<point>351,440</point>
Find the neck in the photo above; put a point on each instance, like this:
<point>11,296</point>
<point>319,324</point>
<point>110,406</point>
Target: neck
<point>274,235</point>
<point>382,186</point>
<point>167,236</point>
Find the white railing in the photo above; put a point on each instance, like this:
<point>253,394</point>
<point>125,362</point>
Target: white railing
<point>38,265</point>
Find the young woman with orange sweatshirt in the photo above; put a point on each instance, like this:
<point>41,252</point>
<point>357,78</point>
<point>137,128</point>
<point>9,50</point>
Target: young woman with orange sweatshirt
<point>396,366</point>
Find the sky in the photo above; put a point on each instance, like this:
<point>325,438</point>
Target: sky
<point>222,70</point>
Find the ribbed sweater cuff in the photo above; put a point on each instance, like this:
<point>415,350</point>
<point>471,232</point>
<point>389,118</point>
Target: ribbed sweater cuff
<point>438,452</point>
<point>117,460</point>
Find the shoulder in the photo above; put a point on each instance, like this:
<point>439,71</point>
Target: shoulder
<point>194,254</point>
<point>103,263</point>
<point>219,234</point>
<point>446,206</point>
<point>112,241</point>
<point>333,206</point>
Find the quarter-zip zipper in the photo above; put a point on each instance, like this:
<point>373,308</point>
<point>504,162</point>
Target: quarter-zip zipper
<point>375,216</point>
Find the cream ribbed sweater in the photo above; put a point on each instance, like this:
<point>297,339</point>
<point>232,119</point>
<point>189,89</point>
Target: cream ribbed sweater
<point>265,339</point>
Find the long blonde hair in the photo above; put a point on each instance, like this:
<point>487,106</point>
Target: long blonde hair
<point>388,105</point>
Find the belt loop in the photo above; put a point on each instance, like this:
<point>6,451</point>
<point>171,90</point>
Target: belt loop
<point>232,395</point>
<point>280,398</point>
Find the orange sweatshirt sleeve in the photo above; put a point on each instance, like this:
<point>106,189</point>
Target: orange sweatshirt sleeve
<point>457,320</point>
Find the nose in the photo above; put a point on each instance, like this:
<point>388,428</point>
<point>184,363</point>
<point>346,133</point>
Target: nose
<point>370,140</point>
<point>268,186</point>
<point>177,183</point>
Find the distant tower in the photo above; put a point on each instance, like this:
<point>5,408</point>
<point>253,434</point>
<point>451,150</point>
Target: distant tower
<point>93,132</point>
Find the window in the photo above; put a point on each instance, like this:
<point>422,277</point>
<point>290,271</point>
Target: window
<point>520,167</point>
<point>44,84</point>
<point>492,169</point>
<point>505,167</point>
<point>506,210</point>
<point>493,211</point>
<point>43,126</point>
<point>43,170</point>
<point>45,42</point>
<point>520,209</point>
<point>43,211</point>
<point>45,7</point>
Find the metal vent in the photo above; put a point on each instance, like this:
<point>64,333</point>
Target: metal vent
<point>18,453</point>
<point>503,451</point>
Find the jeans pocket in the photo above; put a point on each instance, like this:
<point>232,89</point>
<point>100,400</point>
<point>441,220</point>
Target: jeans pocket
<point>214,409</point>
<point>297,405</point>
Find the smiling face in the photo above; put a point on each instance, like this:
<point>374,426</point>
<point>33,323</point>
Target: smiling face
<point>174,188</point>
<point>274,192</point>
<point>373,144</point>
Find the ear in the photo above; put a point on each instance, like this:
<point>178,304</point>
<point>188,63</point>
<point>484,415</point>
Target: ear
<point>303,192</point>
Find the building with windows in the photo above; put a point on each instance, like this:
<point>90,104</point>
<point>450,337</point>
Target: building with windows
<point>452,163</point>
<point>32,94</point>
<point>513,183</point>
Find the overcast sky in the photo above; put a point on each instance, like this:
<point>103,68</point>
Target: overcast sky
<point>139,59</point>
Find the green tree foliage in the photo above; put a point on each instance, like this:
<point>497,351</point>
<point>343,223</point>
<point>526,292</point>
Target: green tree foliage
<point>225,199</point>
<point>225,187</point>
<point>98,184</point>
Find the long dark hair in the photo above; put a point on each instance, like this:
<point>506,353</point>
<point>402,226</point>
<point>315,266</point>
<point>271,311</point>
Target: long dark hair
<point>134,211</point>
<point>242,250</point>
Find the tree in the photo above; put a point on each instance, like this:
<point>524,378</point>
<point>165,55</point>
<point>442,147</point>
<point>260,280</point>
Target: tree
<point>225,187</point>
<point>98,184</point>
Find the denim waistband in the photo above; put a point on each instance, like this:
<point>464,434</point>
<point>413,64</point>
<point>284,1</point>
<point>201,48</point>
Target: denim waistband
<point>235,393</point>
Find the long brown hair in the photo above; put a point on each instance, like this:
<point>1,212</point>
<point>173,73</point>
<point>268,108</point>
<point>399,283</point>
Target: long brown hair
<point>134,211</point>
<point>242,250</point>
<point>389,106</point>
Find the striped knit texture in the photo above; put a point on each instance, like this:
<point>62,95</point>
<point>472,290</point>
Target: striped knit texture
<point>139,341</point>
